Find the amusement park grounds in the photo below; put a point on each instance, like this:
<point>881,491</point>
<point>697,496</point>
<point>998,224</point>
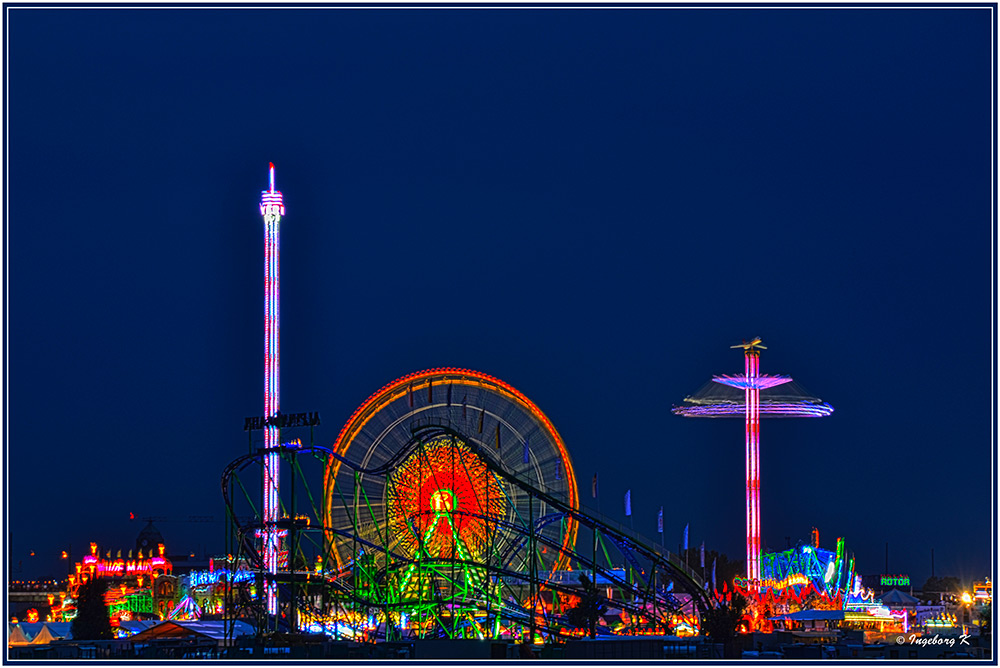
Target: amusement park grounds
<point>292,650</point>
<point>224,638</point>
<point>782,647</point>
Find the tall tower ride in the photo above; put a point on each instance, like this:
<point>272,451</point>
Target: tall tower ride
<point>272,208</point>
<point>744,400</point>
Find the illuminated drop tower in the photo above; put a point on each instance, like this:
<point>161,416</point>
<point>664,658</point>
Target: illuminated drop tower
<point>272,208</point>
<point>789,402</point>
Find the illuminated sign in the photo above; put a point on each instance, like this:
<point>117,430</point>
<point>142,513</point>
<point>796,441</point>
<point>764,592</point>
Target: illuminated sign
<point>895,581</point>
<point>124,567</point>
<point>791,580</point>
<point>198,578</point>
<point>281,420</point>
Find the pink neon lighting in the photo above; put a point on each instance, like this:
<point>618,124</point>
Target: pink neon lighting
<point>752,403</point>
<point>751,408</point>
<point>271,208</point>
<point>759,382</point>
<point>769,408</point>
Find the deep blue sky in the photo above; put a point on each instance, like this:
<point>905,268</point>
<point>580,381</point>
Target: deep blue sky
<point>590,204</point>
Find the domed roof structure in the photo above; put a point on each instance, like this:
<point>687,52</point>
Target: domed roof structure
<point>148,539</point>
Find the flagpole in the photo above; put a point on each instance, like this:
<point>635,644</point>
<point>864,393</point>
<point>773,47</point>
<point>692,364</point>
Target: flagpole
<point>659,527</point>
<point>597,493</point>
<point>686,550</point>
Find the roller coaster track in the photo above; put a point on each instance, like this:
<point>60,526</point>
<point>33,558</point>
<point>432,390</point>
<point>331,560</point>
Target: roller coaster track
<point>642,598</point>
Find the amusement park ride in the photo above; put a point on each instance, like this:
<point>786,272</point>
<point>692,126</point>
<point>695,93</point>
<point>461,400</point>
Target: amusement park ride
<point>713,401</point>
<point>449,508</point>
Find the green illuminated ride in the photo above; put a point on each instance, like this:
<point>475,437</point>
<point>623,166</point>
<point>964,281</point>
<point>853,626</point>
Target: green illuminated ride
<point>449,508</point>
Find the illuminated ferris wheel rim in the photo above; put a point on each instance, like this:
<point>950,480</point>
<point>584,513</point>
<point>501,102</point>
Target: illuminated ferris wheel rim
<point>453,375</point>
<point>413,382</point>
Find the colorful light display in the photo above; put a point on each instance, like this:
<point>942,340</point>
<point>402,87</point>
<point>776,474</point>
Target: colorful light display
<point>451,390</point>
<point>138,588</point>
<point>272,208</point>
<point>94,566</point>
<point>126,604</point>
<point>827,571</point>
<point>439,501</point>
<point>767,409</point>
<point>751,408</point>
<point>447,541</point>
<point>202,578</point>
<point>983,590</point>
<point>808,577</point>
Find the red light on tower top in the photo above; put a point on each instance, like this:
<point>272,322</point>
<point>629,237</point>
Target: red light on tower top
<point>272,206</point>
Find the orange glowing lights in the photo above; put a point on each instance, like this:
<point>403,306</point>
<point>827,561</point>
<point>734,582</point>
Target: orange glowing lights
<point>405,387</point>
<point>438,500</point>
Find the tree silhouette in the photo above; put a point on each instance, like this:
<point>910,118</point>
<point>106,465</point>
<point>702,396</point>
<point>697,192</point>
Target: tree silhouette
<point>589,610</point>
<point>947,585</point>
<point>92,621</point>
<point>721,623</point>
<point>985,617</point>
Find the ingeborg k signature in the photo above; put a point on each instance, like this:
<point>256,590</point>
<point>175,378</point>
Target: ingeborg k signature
<point>913,639</point>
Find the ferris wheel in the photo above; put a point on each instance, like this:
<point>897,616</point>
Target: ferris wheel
<point>437,491</point>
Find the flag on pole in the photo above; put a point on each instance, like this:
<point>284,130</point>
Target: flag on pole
<point>628,503</point>
<point>686,526</point>
<point>527,458</point>
<point>659,521</point>
<point>593,487</point>
<point>703,554</point>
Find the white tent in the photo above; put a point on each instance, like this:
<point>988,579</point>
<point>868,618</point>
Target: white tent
<point>15,636</point>
<point>60,630</point>
<point>30,629</point>
<point>43,637</point>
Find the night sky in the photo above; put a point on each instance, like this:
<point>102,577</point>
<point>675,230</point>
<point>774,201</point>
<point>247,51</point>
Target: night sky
<point>590,204</point>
